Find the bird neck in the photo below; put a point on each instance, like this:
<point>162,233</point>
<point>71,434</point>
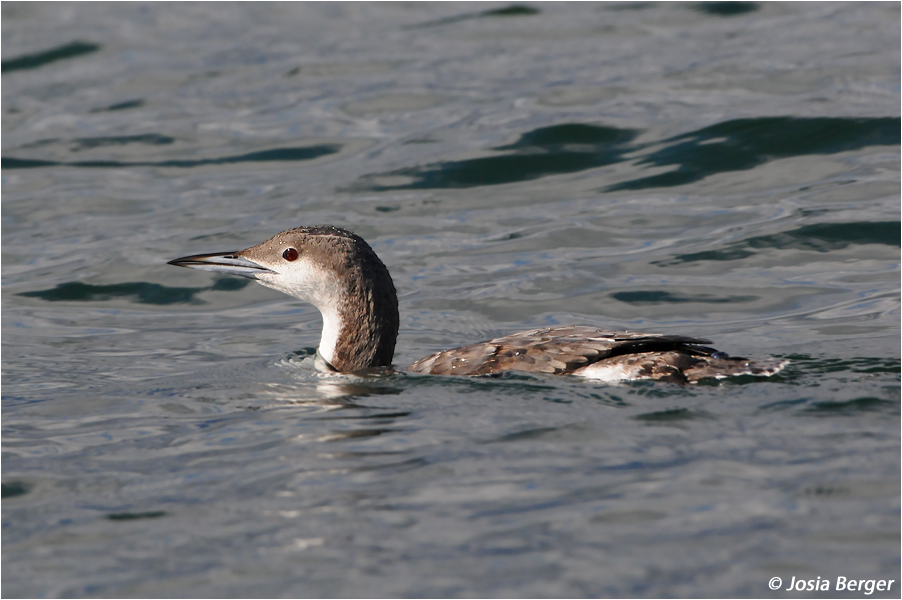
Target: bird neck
<point>360,323</point>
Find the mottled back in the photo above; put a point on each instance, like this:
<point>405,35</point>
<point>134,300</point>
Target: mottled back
<point>553,350</point>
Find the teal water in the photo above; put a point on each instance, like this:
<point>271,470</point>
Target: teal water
<point>722,170</point>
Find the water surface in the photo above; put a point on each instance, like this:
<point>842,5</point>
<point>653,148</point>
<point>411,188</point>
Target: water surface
<point>723,170</point>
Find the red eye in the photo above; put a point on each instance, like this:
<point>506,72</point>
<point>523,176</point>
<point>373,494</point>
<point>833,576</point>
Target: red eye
<point>290,254</point>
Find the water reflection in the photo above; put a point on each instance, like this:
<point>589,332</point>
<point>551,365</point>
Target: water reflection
<point>743,144</point>
<point>514,10</point>
<point>818,237</point>
<point>39,59</point>
<point>735,145</point>
<point>332,391</point>
<point>566,148</point>
<point>274,155</point>
<point>139,292</point>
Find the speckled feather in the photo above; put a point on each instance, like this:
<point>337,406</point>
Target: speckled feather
<point>593,353</point>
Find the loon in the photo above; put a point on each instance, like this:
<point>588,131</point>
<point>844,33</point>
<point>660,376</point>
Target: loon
<point>337,272</point>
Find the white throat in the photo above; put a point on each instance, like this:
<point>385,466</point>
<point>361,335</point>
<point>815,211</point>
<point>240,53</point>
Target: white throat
<point>319,287</point>
<point>329,339</point>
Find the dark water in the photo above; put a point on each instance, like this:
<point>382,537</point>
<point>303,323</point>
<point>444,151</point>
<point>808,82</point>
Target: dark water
<point>724,170</point>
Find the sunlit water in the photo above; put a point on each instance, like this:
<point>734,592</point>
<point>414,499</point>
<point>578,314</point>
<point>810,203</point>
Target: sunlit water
<point>727,171</point>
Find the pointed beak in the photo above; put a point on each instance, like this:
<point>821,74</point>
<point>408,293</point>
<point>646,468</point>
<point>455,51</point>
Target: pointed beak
<point>222,262</point>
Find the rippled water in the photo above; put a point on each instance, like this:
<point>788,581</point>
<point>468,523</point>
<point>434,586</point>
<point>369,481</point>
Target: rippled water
<point>728,171</point>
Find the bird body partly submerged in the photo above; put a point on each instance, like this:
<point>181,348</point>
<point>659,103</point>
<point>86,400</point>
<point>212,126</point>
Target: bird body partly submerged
<point>595,354</point>
<point>339,273</point>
